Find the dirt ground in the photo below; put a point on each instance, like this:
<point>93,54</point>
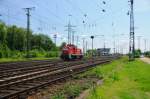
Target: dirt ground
<point>51,90</point>
<point>147,60</point>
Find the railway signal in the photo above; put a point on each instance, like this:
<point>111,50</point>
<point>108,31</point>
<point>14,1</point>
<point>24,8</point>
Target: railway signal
<point>92,37</point>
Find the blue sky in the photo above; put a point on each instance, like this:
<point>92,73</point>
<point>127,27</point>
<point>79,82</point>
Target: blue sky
<point>51,14</point>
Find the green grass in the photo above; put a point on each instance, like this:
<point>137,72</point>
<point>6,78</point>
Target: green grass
<point>76,85</point>
<point>122,80</point>
<point>72,89</point>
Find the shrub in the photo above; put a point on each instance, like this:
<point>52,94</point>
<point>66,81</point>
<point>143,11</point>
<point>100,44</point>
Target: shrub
<point>16,54</point>
<point>147,54</point>
<point>32,54</point>
<point>72,91</point>
<point>4,51</point>
<point>52,54</point>
<point>137,53</point>
<point>58,96</point>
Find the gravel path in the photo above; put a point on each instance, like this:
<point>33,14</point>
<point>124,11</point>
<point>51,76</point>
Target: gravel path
<point>147,60</point>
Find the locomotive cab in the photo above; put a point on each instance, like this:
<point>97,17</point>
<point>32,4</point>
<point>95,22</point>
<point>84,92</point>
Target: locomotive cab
<point>71,52</point>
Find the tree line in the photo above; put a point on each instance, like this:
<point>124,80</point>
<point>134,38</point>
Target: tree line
<point>147,54</point>
<point>13,40</point>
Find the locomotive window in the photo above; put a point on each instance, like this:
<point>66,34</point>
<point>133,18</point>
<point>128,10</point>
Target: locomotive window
<point>65,49</point>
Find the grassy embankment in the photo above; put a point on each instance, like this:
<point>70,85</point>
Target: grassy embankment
<point>123,80</point>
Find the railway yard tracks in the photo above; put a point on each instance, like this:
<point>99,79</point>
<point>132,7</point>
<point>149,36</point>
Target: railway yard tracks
<point>21,78</point>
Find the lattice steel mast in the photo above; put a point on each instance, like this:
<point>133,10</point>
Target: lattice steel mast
<point>28,28</point>
<point>132,41</point>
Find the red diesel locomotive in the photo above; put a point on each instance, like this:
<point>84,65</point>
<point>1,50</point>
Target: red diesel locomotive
<point>71,52</point>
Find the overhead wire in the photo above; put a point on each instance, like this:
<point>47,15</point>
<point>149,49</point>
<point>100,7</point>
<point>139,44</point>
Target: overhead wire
<point>14,17</point>
<point>52,13</point>
<point>77,8</point>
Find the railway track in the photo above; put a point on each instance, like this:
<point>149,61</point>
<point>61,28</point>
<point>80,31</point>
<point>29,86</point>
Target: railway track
<point>33,68</point>
<point>15,85</point>
<point>16,65</point>
<point>14,69</point>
